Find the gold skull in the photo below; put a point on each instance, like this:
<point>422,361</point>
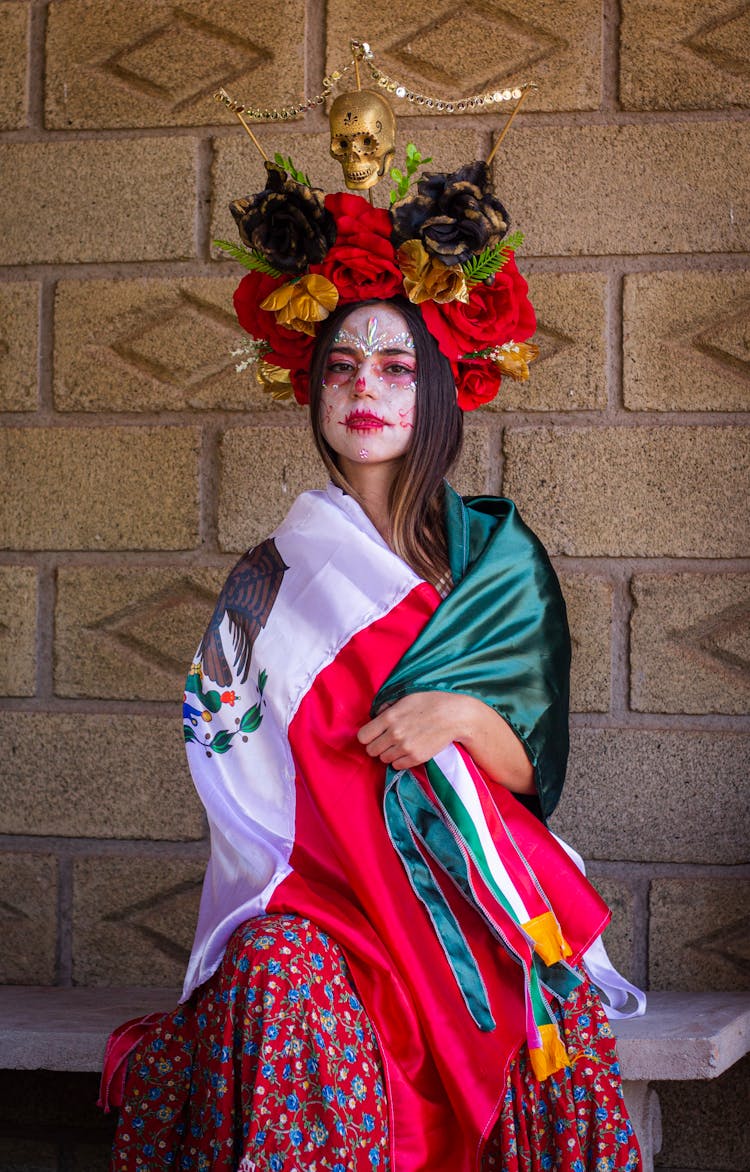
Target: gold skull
<point>363,137</point>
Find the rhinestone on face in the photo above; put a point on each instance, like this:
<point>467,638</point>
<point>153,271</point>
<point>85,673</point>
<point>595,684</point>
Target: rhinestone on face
<point>497,96</point>
<point>516,94</point>
<point>400,91</point>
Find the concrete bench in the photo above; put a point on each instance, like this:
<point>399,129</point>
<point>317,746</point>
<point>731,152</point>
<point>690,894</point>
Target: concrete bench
<point>682,1036</point>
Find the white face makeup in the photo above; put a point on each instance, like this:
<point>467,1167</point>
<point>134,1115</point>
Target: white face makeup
<point>369,394</point>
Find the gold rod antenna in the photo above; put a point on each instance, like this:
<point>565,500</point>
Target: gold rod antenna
<point>527,90</point>
<point>358,51</point>
<point>223,97</point>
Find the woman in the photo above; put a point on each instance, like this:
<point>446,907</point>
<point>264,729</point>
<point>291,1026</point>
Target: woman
<point>379,978</point>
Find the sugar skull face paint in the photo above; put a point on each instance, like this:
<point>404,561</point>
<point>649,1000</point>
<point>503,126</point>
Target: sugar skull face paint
<point>369,389</point>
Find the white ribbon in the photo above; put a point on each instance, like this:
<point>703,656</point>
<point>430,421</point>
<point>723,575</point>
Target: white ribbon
<point>615,990</point>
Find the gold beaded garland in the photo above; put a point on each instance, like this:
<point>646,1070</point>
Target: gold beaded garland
<point>363,53</point>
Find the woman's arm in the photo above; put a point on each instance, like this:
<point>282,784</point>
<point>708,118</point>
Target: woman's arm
<point>418,726</point>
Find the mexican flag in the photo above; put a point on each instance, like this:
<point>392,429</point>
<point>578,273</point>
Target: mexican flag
<point>460,915</point>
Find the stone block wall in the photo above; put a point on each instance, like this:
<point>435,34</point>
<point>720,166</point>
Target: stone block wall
<point>135,462</point>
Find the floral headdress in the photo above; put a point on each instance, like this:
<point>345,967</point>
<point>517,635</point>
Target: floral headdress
<point>443,245</point>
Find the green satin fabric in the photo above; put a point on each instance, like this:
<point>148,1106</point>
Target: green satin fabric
<point>501,635</point>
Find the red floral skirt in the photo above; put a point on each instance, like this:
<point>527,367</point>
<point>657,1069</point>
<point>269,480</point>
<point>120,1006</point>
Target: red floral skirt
<point>272,1066</point>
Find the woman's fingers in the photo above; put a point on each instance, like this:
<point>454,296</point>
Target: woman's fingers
<point>418,726</point>
<point>410,731</point>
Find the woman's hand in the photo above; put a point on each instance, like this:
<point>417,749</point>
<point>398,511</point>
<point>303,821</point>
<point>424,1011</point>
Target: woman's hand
<point>418,726</point>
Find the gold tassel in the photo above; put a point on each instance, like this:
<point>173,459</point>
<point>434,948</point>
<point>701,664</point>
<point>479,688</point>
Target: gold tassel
<point>549,942</point>
<point>551,1057</point>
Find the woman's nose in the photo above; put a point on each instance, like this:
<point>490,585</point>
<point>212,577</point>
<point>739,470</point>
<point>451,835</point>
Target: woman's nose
<point>366,382</point>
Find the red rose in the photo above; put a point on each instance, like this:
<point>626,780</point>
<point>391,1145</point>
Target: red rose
<point>476,383</point>
<point>362,262</point>
<point>495,314</point>
<point>288,348</point>
<point>362,274</point>
<point>354,217</point>
<point>301,385</point>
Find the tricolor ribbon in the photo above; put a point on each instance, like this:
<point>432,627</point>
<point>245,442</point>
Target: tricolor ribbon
<point>441,816</point>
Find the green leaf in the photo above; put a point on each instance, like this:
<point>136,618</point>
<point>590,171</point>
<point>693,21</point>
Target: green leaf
<point>403,179</point>
<point>222,742</point>
<point>212,700</point>
<point>251,719</point>
<point>189,733</point>
<point>290,169</point>
<point>249,259</point>
<point>193,684</point>
<point>513,242</point>
<point>262,677</point>
<point>491,259</point>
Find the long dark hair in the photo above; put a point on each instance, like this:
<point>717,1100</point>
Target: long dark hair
<point>416,499</point>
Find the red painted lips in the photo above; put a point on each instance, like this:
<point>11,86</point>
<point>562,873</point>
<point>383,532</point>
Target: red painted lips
<point>364,421</point>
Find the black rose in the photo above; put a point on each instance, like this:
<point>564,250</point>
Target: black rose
<point>455,216</point>
<point>287,222</point>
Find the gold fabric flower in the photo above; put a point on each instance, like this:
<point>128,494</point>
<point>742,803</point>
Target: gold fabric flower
<point>513,359</point>
<point>427,279</point>
<point>300,305</point>
<point>274,380</point>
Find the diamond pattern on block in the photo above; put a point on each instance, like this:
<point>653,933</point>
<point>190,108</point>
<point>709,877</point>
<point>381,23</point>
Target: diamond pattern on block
<point>9,911</point>
<point>184,60</point>
<point>723,42</point>
<point>722,639</point>
<point>727,341</point>
<point>186,345</point>
<point>551,343</point>
<point>730,942</point>
<point>160,630</point>
<point>165,919</point>
<point>466,28</point>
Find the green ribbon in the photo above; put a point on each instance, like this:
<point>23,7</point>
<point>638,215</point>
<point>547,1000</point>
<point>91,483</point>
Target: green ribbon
<point>411,818</point>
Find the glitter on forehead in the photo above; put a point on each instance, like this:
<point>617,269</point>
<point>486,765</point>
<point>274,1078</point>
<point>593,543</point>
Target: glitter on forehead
<point>370,343</point>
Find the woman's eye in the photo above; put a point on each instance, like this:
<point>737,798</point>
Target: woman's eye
<point>340,367</point>
<point>398,368</point>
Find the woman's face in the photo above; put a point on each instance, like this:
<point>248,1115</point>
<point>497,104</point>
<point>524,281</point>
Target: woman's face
<point>369,390</point>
